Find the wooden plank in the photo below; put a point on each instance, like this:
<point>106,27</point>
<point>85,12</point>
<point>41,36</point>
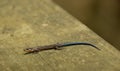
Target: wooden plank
<point>31,23</point>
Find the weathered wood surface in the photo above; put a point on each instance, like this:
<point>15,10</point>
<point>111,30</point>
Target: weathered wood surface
<point>28,23</point>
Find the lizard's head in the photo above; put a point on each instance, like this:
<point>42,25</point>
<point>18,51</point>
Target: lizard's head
<point>29,50</point>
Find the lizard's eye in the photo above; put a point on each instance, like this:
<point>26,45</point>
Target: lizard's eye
<point>29,49</point>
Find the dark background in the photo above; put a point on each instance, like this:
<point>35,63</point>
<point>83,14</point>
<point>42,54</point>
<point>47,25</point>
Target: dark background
<point>102,16</point>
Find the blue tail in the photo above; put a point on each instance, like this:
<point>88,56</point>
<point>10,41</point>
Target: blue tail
<point>78,43</point>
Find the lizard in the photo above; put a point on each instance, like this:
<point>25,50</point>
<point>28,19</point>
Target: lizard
<point>55,46</point>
